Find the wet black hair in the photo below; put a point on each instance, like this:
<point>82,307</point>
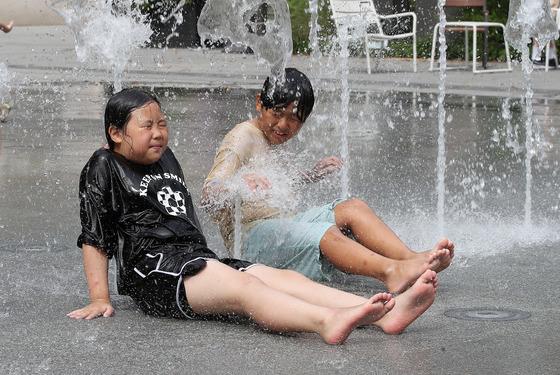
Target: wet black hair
<point>296,88</point>
<point>121,105</point>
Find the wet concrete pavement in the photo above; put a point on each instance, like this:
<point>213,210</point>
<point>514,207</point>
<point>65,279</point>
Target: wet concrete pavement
<point>56,125</point>
<point>46,54</point>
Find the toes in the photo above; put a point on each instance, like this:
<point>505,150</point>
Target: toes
<point>428,276</point>
<point>445,243</point>
<point>387,297</point>
<point>381,297</point>
<point>438,255</point>
<point>390,304</point>
<point>433,256</point>
<point>376,298</point>
<point>442,244</point>
<point>443,253</point>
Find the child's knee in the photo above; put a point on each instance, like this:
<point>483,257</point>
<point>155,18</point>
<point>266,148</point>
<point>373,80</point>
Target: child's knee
<point>358,204</point>
<point>349,207</point>
<point>333,234</point>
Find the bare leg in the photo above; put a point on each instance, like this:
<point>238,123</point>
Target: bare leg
<point>370,231</point>
<point>407,306</point>
<point>351,257</point>
<point>219,289</point>
<point>297,285</point>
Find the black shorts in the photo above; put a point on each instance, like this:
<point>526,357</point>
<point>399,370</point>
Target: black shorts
<point>156,284</point>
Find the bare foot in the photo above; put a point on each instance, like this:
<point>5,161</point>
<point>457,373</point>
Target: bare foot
<point>387,301</point>
<point>342,322</point>
<point>410,305</point>
<point>443,263</point>
<point>404,273</point>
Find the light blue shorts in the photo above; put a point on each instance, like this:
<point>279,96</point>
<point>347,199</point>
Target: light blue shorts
<point>293,242</point>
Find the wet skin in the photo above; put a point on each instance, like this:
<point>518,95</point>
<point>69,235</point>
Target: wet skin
<point>144,138</point>
<point>277,124</point>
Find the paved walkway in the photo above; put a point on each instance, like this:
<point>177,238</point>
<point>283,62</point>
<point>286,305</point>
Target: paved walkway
<point>46,54</point>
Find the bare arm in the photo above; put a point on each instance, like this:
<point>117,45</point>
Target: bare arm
<point>321,169</point>
<point>96,266</point>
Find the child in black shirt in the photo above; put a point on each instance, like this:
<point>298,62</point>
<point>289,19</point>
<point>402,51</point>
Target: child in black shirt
<point>135,206</point>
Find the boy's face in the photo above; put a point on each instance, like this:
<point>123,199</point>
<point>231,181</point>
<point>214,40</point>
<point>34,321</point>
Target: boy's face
<point>145,136</point>
<point>278,124</point>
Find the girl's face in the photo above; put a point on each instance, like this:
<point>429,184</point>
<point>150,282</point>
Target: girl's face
<point>144,138</point>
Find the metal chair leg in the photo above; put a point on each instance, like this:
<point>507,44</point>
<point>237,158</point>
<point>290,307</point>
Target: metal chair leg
<point>474,50</point>
<point>414,53</point>
<point>367,57</point>
<point>466,46</point>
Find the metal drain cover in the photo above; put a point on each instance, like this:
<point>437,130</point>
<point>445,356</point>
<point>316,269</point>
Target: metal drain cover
<point>487,313</point>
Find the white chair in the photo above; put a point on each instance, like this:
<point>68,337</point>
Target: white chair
<point>473,26</point>
<point>554,10</point>
<point>356,15</point>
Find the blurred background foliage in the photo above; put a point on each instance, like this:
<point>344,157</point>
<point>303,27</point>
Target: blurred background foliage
<point>498,12</point>
<point>300,17</point>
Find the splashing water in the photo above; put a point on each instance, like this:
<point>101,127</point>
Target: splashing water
<point>281,196</point>
<point>345,101</point>
<point>512,140</point>
<point>237,227</point>
<point>4,83</point>
<point>5,97</point>
<point>314,29</point>
<point>263,25</point>
<point>441,119</point>
<point>529,19</point>
<point>348,27</point>
<point>177,15</point>
<point>106,31</point>
<point>527,67</point>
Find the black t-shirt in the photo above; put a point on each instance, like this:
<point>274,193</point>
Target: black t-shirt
<point>128,210</point>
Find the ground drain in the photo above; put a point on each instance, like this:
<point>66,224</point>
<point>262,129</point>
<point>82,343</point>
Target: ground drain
<point>488,314</point>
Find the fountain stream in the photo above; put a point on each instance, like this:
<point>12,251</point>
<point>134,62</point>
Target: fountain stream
<point>4,83</point>
<point>440,188</point>
<point>105,31</point>
<point>314,29</point>
<point>176,14</point>
<point>265,27</point>
<point>5,97</point>
<point>529,19</point>
<point>345,101</point>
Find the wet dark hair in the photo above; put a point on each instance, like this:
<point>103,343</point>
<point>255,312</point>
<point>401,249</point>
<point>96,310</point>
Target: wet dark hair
<point>121,105</point>
<point>296,88</point>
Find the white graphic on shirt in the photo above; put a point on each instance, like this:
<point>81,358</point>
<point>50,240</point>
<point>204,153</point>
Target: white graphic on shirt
<point>173,201</point>
<point>143,192</point>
